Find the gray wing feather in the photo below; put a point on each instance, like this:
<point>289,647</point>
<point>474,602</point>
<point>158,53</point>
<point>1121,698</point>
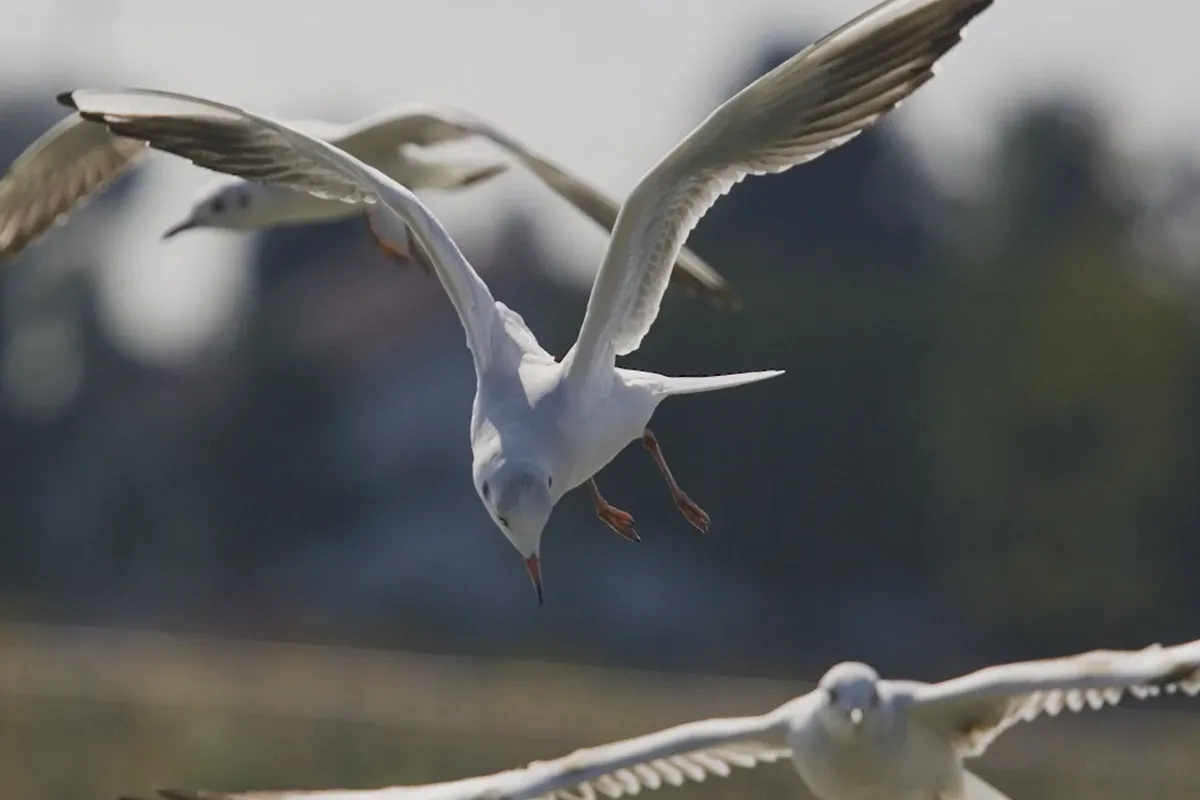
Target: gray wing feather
<point>58,173</point>
<point>378,135</point>
<point>670,757</point>
<point>817,100</point>
<point>387,141</point>
<point>690,270</point>
<point>675,770</point>
<point>236,142</point>
<point>392,793</point>
<point>231,147</point>
<point>971,711</point>
<point>378,140</point>
<point>668,770</point>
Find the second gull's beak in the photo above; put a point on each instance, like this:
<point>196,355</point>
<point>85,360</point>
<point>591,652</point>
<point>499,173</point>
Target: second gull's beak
<point>535,574</point>
<point>187,224</point>
<point>856,716</point>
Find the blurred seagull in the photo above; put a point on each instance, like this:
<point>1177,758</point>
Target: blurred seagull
<point>854,737</point>
<point>77,159</point>
<point>541,427</point>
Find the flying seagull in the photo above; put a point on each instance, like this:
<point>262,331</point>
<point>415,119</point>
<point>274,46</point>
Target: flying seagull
<point>855,737</point>
<point>541,427</point>
<point>77,159</point>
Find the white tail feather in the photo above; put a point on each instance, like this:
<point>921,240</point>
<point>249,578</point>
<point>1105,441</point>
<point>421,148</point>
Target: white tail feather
<point>709,383</point>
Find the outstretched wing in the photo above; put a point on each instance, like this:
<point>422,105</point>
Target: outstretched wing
<point>676,770</point>
<point>971,711</point>
<point>389,141</point>
<point>671,757</point>
<point>688,270</point>
<point>379,136</point>
<point>392,793</point>
<point>62,170</point>
<point>815,101</point>
<point>622,778</point>
<point>235,142</point>
<point>376,140</point>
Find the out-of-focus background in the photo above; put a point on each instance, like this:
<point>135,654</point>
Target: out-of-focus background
<point>239,546</point>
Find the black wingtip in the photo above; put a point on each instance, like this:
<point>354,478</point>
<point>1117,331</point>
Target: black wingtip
<point>68,99</point>
<point>720,297</point>
<point>728,301</point>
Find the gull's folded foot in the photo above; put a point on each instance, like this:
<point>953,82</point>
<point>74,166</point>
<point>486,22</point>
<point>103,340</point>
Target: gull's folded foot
<point>694,513</point>
<point>620,521</point>
<point>393,250</point>
<point>419,257</point>
<point>409,252</point>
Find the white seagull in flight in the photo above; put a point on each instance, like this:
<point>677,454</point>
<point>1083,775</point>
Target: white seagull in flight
<point>76,159</point>
<point>540,427</point>
<point>854,737</point>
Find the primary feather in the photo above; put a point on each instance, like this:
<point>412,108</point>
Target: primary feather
<point>974,709</point>
<point>671,757</point>
<point>236,142</point>
<point>57,174</point>
<point>813,102</point>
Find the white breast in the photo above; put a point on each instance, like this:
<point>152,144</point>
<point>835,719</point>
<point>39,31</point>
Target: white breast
<point>912,766</point>
<point>600,423</point>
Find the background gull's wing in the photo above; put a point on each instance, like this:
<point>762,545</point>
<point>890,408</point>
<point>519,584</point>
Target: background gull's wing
<point>236,142</point>
<point>63,169</point>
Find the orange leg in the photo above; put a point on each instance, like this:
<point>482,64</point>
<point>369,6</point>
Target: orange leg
<point>620,521</point>
<point>693,512</point>
<point>407,253</point>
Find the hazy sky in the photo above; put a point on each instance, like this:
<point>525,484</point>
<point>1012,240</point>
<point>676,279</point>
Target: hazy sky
<point>603,86</point>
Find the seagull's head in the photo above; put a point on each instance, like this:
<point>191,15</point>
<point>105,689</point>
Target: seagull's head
<point>227,204</point>
<point>851,695</point>
<point>519,496</point>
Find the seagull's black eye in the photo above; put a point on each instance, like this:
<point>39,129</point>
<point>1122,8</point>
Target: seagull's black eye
<point>487,492</point>
<point>833,694</point>
<point>873,700</point>
<point>218,204</point>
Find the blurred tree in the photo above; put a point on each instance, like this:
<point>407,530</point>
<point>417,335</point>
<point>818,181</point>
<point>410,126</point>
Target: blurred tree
<point>53,362</point>
<point>1058,406</point>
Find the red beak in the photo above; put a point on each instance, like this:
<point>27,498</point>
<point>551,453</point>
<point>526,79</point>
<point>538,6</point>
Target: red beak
<point>535,575</point>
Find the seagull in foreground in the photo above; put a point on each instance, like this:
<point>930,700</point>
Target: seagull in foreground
<point>540,427</point>
<point>77,159</point>
<point>854,737</point>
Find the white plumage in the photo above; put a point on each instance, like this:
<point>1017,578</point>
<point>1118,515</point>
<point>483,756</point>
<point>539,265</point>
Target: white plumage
<point>855,737</point>
<point>541,427</point>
